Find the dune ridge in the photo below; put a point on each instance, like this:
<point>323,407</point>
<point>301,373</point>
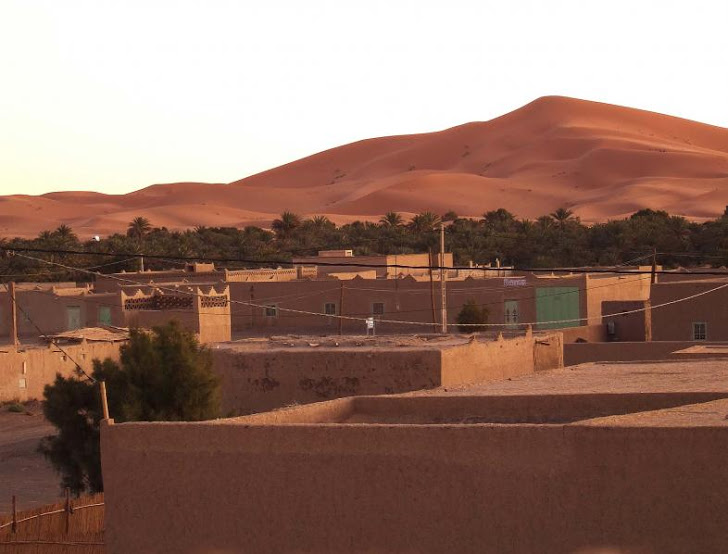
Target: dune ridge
<point>599,160</point>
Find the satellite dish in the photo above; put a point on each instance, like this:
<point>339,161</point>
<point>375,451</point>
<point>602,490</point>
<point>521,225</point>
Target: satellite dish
<point>97,238</point>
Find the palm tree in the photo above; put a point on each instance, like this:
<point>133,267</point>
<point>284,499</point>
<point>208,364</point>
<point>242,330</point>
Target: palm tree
<point>138,229</point>
<point>562,216</point>
<point>391,219</point>
<point>321,222</point>
<point>65,233</point>
<point>424,223</point>
<point>286,224</point>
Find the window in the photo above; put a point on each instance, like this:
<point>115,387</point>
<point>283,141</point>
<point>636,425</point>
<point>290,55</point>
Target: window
<point>378,308</point>
<point>330,308</point>
<point>104,315</point>
<point>271,310</point>
<point>700,330</point>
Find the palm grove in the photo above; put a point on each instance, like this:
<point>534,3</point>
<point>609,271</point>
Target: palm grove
<point>554,240</point>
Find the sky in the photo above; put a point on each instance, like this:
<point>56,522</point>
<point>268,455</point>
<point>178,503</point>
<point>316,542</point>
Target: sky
<point>115,96</point>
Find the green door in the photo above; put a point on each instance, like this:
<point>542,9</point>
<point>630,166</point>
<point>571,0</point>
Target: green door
<point>557,307</point>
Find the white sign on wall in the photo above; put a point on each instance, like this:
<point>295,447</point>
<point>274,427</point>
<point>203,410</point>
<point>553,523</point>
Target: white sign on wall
<point>509,282</point>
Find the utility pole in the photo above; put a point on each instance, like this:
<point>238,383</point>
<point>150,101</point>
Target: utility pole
<point>13,315</point>
<point>443,278</point>
<point>431,260</point>
<point>341,308</point>
<point>653,278</point>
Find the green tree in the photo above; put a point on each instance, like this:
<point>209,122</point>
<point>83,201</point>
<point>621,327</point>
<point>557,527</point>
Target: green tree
<point>391,219</point>
<point>471,317</point>
<point>286,224</point>
<point>164,375</point>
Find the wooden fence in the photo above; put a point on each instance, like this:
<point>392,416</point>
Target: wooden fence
<point>74,526</point>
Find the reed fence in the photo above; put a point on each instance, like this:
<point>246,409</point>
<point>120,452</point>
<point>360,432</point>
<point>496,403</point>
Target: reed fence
<point>73,526</point>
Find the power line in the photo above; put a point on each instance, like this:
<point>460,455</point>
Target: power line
<point>53,342</point>
<point>413,323</point>
<point>322,263</point>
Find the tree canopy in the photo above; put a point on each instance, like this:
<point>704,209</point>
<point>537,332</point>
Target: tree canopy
<point>555,240</point>
<point>163,375</point>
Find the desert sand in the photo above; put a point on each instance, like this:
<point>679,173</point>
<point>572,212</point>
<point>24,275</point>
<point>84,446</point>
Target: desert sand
<point>601,161</point>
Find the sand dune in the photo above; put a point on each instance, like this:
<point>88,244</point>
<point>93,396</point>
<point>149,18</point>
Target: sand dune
<point>599,160</point>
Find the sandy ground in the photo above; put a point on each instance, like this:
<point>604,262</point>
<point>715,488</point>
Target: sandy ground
<point>23,471</point>
<point>599,160</point>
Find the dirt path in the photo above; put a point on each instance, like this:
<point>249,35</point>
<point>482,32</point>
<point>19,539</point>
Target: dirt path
<point>23,471</point>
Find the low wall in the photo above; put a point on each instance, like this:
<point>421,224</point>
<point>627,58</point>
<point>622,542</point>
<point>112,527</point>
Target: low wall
<point>24,373</point>
<point>579,353</point>
<point>261,381</point>
<point>588,333</point>
<point>257,381</point>
<point>515,489</point>
<point>500,359</point>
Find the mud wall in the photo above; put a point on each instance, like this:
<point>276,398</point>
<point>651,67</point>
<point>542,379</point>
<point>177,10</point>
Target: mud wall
<point>257,381</point>
<point>579,353</point>
<point>414,488</point>
<point>585,333</point>
<point>261,381</point>
<point>24,373</point>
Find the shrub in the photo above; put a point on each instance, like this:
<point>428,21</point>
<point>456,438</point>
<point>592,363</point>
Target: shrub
<point>470,316</point>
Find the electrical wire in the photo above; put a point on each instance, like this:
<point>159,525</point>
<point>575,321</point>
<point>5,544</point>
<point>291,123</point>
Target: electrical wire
<point>400,322</point>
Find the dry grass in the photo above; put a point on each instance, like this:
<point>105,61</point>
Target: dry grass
<point>47,534</point>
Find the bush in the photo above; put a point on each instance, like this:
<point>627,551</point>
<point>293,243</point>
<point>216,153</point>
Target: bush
<point>164,375</point>
<point>470,316</point>
<point>16,407</point>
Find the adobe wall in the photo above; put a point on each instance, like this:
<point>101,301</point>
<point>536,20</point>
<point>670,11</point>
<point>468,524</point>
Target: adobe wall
<point>265,380</point>
<point>518,489</point>
<point>635,326</point>
<point>256,381</point>
<point>36,367</point>
<point>620,287</point>
<point>675,321</point>
<point>579,353</point>
<point>500,359</point>
<point>585,333</point>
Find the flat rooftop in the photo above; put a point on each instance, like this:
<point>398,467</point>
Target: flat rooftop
<point>606,377</point>
<point>650,394</point>
<point>308,342</point>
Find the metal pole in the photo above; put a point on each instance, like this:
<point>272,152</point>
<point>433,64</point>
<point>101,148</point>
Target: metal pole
<point>443,278</point>
<point>653,277</point>
<point>13,315</point>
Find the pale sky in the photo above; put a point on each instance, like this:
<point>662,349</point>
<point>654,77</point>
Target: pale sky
<point>115,96</point>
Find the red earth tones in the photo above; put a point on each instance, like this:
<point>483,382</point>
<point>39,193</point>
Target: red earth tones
<point>601,161</point>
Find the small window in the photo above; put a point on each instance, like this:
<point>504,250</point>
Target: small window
<point>378,308</point>
<point>330,308</point>
<point>22,383</point>
<point>700,330</point>
<point>271,310</point>
<point>104,315</point>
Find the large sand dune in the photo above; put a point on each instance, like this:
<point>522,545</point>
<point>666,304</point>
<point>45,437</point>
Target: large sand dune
<point>599,160</point>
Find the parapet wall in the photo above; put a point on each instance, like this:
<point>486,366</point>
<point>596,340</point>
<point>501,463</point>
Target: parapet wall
<point>580,353</point>
<point>24,373</point>
<point>415,488</point>
<point>256,381</point>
